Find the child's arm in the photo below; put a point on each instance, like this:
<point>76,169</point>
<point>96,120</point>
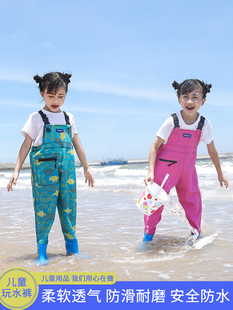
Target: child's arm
<point>152,157</point>
<point>82,157</point>
<point>23,152</point>
<point>215,159</point>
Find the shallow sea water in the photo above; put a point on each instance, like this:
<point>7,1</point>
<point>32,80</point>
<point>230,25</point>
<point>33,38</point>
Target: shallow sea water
<point>110,229</point>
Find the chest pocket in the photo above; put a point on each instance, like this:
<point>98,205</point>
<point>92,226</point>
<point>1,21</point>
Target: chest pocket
<point>167,163</point>
<point>47,170</point>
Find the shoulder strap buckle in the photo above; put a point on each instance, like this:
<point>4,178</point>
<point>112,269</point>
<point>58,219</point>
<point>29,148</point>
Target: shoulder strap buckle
<point>201,123</point>
<point>44,118</point>
<point>66,118</point>
<point>175,120</point>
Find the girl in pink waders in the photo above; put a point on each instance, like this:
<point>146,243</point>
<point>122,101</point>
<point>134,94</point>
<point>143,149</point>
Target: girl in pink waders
<point>174,152</point>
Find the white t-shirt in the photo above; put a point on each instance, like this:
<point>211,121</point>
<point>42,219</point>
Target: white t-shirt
<point>35,125</point>
<point>167,127</point>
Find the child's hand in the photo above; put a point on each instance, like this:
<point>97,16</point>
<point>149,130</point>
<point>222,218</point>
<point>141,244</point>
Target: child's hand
<point>89,176</point>
<point>12,181</point>
<point>149,178</point>
<point>222,179</point>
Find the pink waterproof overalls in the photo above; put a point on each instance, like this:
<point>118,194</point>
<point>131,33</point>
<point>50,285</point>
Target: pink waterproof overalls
<point>177,158</point>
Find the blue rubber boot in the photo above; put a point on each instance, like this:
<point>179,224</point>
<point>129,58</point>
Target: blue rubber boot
<point>199,236</point>
<point>42,256</point>
<point>72,247</point>
<point>147,237</point>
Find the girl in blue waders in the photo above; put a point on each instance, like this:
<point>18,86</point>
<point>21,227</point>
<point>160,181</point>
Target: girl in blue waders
<point>53,134</point>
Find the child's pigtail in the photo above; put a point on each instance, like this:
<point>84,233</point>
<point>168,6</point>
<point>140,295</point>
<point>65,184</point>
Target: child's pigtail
<point>205,88</point>
<point>187,86</point>
<point>208,87</point>
<point>67,77</point>
<point>38,79</point>
<point>176,85</point>
<point>52,81</point>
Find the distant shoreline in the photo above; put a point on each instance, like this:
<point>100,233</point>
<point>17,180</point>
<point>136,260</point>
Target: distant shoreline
<point>26,166</point>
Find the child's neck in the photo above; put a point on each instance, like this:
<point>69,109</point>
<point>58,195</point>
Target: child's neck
<point>189,119</point>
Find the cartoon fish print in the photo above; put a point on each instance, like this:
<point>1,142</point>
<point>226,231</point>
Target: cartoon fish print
<point>69,236</point>
<point>48,172</point>
<point>73,189</point>
<point>66,174</point>
<point>67,210</point>
<point>63,136</point>
<point>54,179</point>
<point>41,214</point>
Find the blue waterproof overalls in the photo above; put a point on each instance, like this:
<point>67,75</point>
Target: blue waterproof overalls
<point>54,181</point>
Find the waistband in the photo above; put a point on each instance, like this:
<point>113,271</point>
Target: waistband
<point>178,149</point>
<point>52,145</point>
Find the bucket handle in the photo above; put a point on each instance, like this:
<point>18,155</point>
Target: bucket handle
<point>165,179</point>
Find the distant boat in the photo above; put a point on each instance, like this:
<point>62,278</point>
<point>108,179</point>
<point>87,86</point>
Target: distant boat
<point>110,162</point>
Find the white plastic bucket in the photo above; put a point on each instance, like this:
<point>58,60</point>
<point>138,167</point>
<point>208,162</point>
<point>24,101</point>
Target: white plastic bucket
<point>152,198</point>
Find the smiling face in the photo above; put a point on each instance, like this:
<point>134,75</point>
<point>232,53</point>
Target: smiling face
<point>54,101</point>
<point>191,103</point>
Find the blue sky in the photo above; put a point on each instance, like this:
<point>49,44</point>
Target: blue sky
<point>123,56</point>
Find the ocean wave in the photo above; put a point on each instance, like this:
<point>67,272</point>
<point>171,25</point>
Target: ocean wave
<point>130,179</point>
<point>132,260</point>
<point>204,241</point>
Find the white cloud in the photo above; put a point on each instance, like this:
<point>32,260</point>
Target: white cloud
<point>219,98</point>
<point>18,104</point>
<point>102,87</point>
<point>96,86</point>
<point>83,109</point>
<point>11,76</point>
<point>11,124</point>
